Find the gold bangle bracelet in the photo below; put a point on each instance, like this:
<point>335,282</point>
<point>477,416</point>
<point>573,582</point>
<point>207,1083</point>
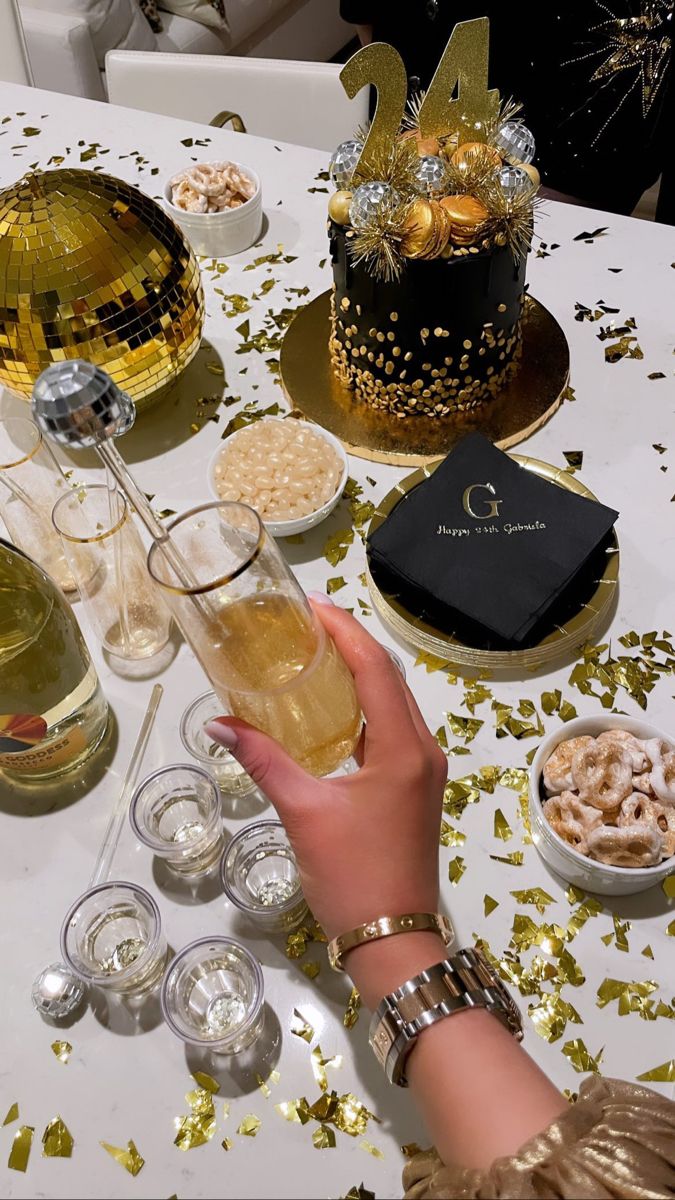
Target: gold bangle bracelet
<point>383,927</point>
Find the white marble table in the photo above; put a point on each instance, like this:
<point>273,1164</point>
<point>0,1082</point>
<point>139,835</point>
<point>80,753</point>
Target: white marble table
<point>123,1081</point>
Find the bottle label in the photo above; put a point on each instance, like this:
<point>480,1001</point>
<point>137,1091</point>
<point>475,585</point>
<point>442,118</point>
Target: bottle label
<point>21,748</point>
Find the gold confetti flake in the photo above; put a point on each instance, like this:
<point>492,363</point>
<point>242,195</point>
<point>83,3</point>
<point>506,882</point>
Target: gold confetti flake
<point>300,1027</point>
<point>450,836</point>
<point>370,1148</point>
<point>337,546</point>
<point>489,905</point>
<point>335,584</point>
<point>359,1192</point>
<point>57,1140</point>
<point>351,1013</point>
<point>550,1016</point>
<point>663,1074</point>
<point>130,1158</point>
<point>20,1151</point>
<point>502,829</point>
<point>670,931</point>
<point>581,1058</point>
<point>535,895</point>
<point>668,887</point>
<point>319,1064</point>
<point>621,928</point>
<point>311,969</point>
<point>456,868</point>
<point>249,1126</point>
<point>441,737</point>
<point>474,695</point>
<point>432,663</point>
<point>12,1114</point>
<point>648,952</point>
<point>226,1144</point>
<point>207,1082</point>
<point>62,1051</point>
<point>466,727</point>
<point>288,1109</point>
<point>323,1138</point>
<point>515,859</point>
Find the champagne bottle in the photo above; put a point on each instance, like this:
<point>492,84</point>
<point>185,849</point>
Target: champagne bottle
<point>53,713</point>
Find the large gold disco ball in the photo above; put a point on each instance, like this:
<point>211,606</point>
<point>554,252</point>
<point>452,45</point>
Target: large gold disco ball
<point>92,268</point>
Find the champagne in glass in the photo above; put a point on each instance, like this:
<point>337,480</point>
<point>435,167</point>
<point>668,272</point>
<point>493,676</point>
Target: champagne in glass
<point>267,656</point>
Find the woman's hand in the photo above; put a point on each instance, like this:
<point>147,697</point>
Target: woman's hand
<point>366,844</point>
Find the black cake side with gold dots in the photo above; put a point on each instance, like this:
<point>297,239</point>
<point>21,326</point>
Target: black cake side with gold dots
<point>443,338</point>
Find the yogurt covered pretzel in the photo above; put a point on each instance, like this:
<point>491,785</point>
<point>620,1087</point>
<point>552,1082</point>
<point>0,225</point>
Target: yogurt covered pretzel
<point>603,775</point>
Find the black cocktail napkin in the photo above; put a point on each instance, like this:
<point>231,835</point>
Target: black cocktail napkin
<point>489,547</point>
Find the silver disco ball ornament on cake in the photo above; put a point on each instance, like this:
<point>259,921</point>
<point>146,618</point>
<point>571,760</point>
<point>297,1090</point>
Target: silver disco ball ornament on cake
<point>343,163</point>
<point>515,182</point>
<point>367,199</point>
<point>431,176</point>
<point>516,142</point>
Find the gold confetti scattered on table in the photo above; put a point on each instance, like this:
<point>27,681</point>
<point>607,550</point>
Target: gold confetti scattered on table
<point>668,887</point>
<point>351,1013</point>
<point>337,546</point>
<point>62,1051</point>
<point>489,905</point>
<point>663,1074</point>
<point>12,1114</point>
<point>648,952</point>
<point>263,1084</point>
<point>310,969</point>
<point>249,1126</point>
<point>359,1192</point>
<point>535,895</point>
<point>502,829</point>
<point>370,1148</point>
<point>20,1151</point>
<point>130,1158</point>
<point>323,1138</point>
<point>456,868</point>
<point>514,859</point>
<point>335,584</point>
<point>319,1064</point>
<point>300,1027</point>
<point>57,1140</point>
<point>226,1144</point>
<point>580,1058</point>
<point>466,727</point>
<point>670,931</point>
<point>207,1082</point>
<point>200,1126</point>
<point>450,836</point>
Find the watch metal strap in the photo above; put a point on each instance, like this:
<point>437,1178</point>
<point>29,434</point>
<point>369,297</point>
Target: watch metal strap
<point>465,980</point>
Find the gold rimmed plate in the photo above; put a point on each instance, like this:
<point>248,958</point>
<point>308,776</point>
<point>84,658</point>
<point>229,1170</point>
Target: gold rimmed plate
<point>563,640</point>
<point>521,407</point>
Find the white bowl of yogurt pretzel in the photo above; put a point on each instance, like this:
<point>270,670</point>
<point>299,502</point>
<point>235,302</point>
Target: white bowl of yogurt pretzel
<point>602,804</point>
<point>218,205</point>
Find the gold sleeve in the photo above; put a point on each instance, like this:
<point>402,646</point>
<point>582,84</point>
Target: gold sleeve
<point>616,1140</point>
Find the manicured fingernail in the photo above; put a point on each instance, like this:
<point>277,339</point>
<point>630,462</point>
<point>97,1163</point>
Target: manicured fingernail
<point>320,598</point>
<point>223,734</point>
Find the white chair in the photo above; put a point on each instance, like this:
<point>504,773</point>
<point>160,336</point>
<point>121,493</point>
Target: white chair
<point>14,61</point>
<point>299,102</point>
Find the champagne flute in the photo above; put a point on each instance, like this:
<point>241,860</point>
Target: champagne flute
<point>265,653</point>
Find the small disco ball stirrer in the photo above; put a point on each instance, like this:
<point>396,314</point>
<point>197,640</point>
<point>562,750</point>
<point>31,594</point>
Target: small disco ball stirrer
<point>76,404</point>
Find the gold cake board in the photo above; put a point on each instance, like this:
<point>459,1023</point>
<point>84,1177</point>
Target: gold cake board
<point>522,406</point>
<point>582,627</point>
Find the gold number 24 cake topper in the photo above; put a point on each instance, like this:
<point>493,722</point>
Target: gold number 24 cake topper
<point>464,65</point>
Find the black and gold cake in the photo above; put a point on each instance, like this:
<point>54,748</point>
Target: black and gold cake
<point>443,338</point>
<point>430,228</point>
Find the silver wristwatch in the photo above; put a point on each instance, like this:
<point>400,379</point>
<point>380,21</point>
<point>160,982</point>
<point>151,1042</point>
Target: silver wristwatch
<point>465,980</point>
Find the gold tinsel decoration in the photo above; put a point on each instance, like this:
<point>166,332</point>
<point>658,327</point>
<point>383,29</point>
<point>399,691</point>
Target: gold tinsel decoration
<point>508,110</point>
<point>394,165</point>
<point>379,244</point>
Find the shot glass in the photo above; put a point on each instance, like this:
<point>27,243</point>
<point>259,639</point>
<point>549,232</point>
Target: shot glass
<point>122,603</point>
<point>212,995</point>
<point>31,482</point>
<point>112,937</point>
<point>260,876</point>
<point>213,758</point>
<point>176,812</point>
